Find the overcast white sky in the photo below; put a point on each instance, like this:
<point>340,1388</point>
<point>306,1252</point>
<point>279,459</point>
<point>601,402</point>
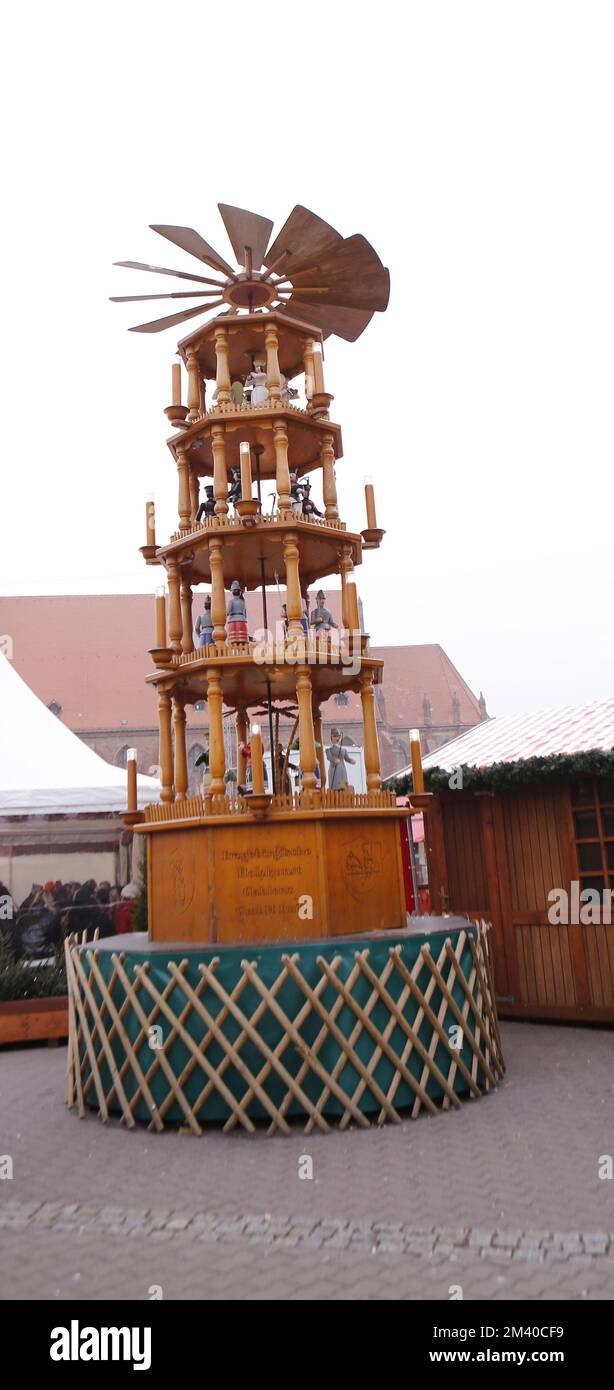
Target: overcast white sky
<point>472,144</point>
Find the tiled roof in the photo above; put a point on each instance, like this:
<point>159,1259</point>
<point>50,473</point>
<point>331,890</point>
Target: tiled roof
<point>89,652</point>
<point>569,729</point>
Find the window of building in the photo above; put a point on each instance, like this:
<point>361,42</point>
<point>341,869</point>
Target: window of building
<point>341,700</point>
<point>592,801</point>
<point>121,757</point>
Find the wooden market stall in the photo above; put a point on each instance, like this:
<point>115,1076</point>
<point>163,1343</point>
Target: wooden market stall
<point>532,812</point>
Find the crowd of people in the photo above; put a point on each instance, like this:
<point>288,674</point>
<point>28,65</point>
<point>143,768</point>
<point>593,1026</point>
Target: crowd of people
<point>51,910</point>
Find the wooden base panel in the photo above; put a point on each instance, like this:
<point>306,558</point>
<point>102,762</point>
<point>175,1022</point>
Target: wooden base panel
<point>277,880</point>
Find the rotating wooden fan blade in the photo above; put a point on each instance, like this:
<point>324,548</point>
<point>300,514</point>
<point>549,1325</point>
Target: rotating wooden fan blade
<point>246,229</point>
<point>157,325</point>
<point>162,270</point>
<point>176,294</point>
<point>345,323</point>
<point>305,237</point>
<point>193,243</point>
<point>354,274</point>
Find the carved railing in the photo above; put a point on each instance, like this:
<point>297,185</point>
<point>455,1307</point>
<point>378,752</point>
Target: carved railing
<point>202,807</point>
<point>230,523</point>
<point>322,650</point>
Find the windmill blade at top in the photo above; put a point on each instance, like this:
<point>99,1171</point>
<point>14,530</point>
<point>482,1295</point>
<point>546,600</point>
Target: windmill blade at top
<point>246,230</point>
<point>157,325</point>
<point>175,294</point>
<point>162,270</point>
<point>194,244</point>
<point>345,323</point>
<point>353,273</point>
<point>304,237</point>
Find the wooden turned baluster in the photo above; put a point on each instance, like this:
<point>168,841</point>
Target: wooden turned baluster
<point>220,476</point>
<point>166,746</point>
<point>181,758</point>
<point>218,599</point>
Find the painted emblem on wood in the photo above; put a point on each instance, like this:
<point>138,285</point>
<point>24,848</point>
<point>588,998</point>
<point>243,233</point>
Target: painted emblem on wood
<point>362,866</point>
<point>183,880</point>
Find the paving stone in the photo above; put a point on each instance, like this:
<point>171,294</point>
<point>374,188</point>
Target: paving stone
<point>387,1189</point>
<point>480,1238</point>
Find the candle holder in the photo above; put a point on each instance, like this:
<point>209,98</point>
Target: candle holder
<point>259,803</point>
<point>176,414</point>
<point>372,537</point>
<point>149,554</point>
<point>248,508</point>
<point>320,404</point>
<point>161,656</point>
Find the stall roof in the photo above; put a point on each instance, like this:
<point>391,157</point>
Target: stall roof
<point>45,769</point>
<point>510,738</point>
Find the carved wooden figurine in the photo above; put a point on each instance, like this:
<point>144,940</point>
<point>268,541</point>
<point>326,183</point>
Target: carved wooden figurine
<point>207,508</point>
<point>236,614</point>
<point>321,619</point>
<point>337,758</point>
<point>203,630</point>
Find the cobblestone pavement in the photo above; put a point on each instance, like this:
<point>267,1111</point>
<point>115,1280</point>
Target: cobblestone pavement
<point>502,1198</point>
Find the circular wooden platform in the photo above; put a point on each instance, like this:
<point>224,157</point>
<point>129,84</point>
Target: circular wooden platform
<point>348,1031</point>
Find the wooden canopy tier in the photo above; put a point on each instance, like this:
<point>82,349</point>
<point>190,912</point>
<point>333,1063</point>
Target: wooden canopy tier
<point>257,554</point>
<point>238,340</point>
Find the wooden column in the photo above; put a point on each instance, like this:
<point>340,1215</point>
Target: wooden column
<point>319,738</point>
<point>218,598</point>
<point>181,756</point>
<point>222,376</point>
<point>185,504</point>
<point>329,486</point>
<point>194,490</point>
<point>294,606</point>
<point>241,728</point>
<point>216,733</point>
<point>282,472</point>
<point>166,746</point>
<point>193,386</point>
<point>187,642</point>
<point>272,361</point>
<point>305,729</point>
<point>308,365</point>
<point>372,759</point>
<point>220,476</point>
<point>175,626</point>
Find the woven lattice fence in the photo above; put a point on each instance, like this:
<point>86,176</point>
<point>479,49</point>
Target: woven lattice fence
<point>351,1034</point>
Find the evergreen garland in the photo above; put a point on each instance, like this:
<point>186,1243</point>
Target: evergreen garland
<point>504,777</point>
<point>18,980</point>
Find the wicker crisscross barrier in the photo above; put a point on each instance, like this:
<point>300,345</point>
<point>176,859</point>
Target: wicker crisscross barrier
<point>321,1034</point>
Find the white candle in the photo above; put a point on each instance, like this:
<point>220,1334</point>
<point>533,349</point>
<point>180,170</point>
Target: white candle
<point>318,370</point>
<point>246,471</point>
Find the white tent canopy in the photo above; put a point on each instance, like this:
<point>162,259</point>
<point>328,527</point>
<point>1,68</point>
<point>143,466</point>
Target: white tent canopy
<point>45,768</point>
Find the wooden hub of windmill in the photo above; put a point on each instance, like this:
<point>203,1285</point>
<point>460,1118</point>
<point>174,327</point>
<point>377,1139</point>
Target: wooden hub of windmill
<point>245,293</point>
